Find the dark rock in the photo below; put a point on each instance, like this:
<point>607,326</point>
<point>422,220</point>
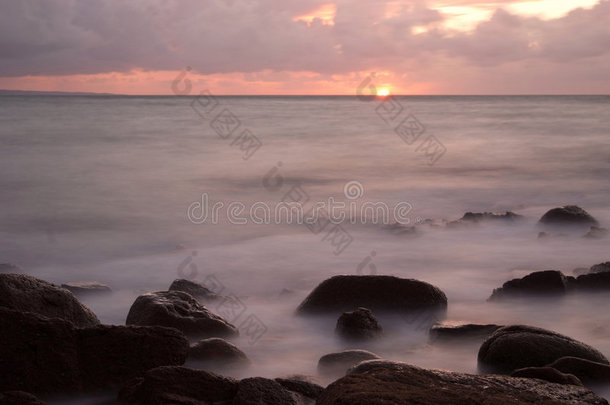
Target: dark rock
<point>539,283</point>
<point>178,385</point>
<point>403,384</point>
<point>195,289</point>
<point>86,287</point>
<point>51,355</point>
<point>518,346</point>
<point>262,391</point>
<point>306,389</point>
<point>358,325</point>
<point>547,374</point>
<point>178,310</point>
<point>18,398</point>
<point>218,351</point>
<point>446,333</point>
<point>569,215</point>
<point>595,232</point>
<point>593,281</point>
<point>339,363</point>
<point>379,293</point>
<point>25,293</point>
<point>589,372</point>
<point>490,216</point>
<point>600,268</point>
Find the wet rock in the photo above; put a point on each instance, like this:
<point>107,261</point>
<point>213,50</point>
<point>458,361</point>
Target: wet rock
<point>547,374</point>
<point>339,363</point>
<point>589,372</point>
<point>596,232</point>
<point>593,282</point>
<point>178,385</point>
<point>86,287</point>
<point>218,351</point>
<point>539,283</point>
<point>18,398</point>
<point>262,391</point>
<point>403,384</point>
<point>51,355</point>
<point>177,309</point>
<point>518,346</point>
<point>569,215</point>
<point>195,289</point>
<point>358,325</point>
<point>378,293</point>
<point>26,293</point>
<point>306,389</point>
<point>467,332</point>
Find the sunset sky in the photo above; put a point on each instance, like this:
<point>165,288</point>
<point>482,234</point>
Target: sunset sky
<point>306,46</point>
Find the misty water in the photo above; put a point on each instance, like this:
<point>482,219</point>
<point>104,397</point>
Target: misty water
<point>98,188</point>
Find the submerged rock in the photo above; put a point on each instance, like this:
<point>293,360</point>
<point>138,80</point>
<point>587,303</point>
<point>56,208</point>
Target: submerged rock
<point>549,374</point>
<point>218,351</point>
<point>569,215</point>
<point>596,232</point>
<point>177,309</point>
<point>600,268</point>
<point>195,289</point>
<point>593,282</point>
<point>467,332</point>
<point>26,293</point>
<point>518,346</point>
<point>178,385</point>
<point>589,372</point>
<point>402,384</point>
<point>378,293</point>
<point>51,355</point>
<point>539,283</point>
<point>339,363</point>
<point>358,325</point>
<point>86,287</point>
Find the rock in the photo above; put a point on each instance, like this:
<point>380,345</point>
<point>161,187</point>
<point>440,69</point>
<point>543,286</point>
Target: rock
<point>403,384</point>
<point>339,363</point>
<point>178,385</point>
<point>549,374</point>
<point>86,287</point>
<point>18,398</point>
<point>378,293</point>
<point>596,232</point>
<point>178,310</point>
<point>306,389</point>
<point>589,372</point>
<point>218,351</point>
<point>50,355</point>
<point>518,346</point>
<point>262,391</point>
<point>358,325</point>
<point>490,216</point>
<point>446,333</point>
<point>600,268</point>
<point>26,293</point>
<point>569,215</point>
<point>195,289</point>
<point>593,281</point>
<point>539,283</point>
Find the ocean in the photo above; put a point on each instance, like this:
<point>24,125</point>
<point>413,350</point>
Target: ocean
<point>114,189</point>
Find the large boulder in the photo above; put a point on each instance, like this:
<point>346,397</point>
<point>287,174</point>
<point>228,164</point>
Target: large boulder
<point>402,384</point>
<point>539,283</point>
<point>178,310</point>
<point>378,293</point>
<point>549,374</point>
<point>464,333</point>
<point>49,355</point>
<point>26,293</point>
<point>219,352</point>
<point>589,372</point>
<point>569,215</point>
<point>195,289</point>
<point>262,391</point>
<point>358,325</point>
<point>178,385</point>
<point>518,346</point>
<point>334,364</point>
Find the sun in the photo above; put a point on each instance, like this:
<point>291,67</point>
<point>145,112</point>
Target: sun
<point>383,92</point>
